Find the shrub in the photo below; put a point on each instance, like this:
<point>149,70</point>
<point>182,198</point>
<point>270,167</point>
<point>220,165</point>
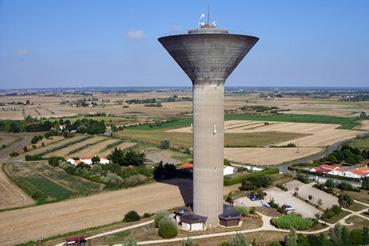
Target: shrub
<point>242,210</point>
<point>330,212</point>
<point>131,216</point>
<point>167,228</point>
<point>112,180</point>
<point>239,240</point>
<point>129,242</point>
<point>347,186</point>
<point>33,157</point>
<point>292,221</point>
<point>164,144</point>
<point>344,200</point>
<point>159,216</point>
<point>303,178</point>
<point>256,181</point>
<point>189,242</point>
<point>54,161</point>
<point>329,183</point>
<point>146,215</point>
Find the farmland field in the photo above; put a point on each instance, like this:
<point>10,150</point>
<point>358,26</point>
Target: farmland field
<point>94,149</point>
<point>268,156</point>
<point>71,149</point>
<point>58,145</point>
<point>179,139</point>
<point>54,183</point>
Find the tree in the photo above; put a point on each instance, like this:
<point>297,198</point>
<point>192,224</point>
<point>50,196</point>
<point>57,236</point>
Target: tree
<point>131,216</point>
<point>356,237</point>
<point>239,240</point>
<point>167,228</point>
<point>159,216</point>
<point>335,234</point>
<point>320,202</point>
<point>344,200</point>
<point>164,144</point>
<point>256,181</point>
<point>365,184</point>
<point>95,159</point>
<point>329,183</point>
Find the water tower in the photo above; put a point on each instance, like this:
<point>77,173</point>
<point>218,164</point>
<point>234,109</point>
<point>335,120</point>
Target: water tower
<point>208,55</point>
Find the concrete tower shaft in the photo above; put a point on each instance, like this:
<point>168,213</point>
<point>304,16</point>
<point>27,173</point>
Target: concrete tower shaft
<point>208,56</point>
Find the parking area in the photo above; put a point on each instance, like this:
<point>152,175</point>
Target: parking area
<point>316,195</point>
<point>286,198</point>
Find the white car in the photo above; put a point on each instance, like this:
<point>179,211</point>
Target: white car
<point>288,208</point>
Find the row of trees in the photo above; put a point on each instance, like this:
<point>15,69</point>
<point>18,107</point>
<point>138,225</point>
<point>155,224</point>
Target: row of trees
<point>347,154</point>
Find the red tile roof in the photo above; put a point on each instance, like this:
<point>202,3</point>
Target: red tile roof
<point>185,166</point>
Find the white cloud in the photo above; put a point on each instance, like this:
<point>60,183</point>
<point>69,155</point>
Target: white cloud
<point>138,34</point>
<point>24,52</point>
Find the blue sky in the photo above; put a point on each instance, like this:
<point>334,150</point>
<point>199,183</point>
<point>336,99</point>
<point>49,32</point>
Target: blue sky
<point>72,43</point>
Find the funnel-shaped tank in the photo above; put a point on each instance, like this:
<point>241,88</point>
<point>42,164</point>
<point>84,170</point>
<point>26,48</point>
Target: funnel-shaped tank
<point>208,56</point>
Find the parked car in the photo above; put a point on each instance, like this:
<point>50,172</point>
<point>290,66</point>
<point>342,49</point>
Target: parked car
<point>253,197</point>
<point>288,208</point>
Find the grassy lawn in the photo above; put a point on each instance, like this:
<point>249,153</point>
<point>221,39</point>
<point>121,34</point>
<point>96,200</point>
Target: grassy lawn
<point>178,139</point>
<point>337,217</point>
<point>362,196</point>
<point>359,222</point>
<point>356,207</point>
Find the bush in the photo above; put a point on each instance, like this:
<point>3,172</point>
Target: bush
<point>146,215</point>
<point>131,216</point>
<point>189,242</point>
<point>329,183</point>
<point>292,221</point>
<point>242,210</point>
<point>129,242</point>
<point>347,186</point>
<point>167,228</point>
<point>330,212</point>
<point>54,161</point>
<point>256,181</point>
<point>159,216</point>
<point>239,240</point>
<point>303,178</point>
<point>344,200</point>
<point>164,144</point>
<point>33,157</point>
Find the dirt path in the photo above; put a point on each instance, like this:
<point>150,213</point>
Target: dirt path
<point>11,195</point>
<point>32,223</point>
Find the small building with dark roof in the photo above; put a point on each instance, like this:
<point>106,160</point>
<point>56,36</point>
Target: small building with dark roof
<point>193,222</point>
<point>229,217</point>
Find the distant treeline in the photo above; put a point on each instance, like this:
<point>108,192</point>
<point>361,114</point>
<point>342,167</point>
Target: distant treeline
<point>174,98</point>
<point>30,124</point>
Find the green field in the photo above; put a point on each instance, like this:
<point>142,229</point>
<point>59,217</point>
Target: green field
<point>52,183</point>
<point>179,139</point>
<point>346,123</point>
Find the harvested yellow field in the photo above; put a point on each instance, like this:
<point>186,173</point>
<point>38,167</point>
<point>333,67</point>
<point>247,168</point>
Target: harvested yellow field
<point>319,135</point>
<point>26,224</point>
<point>268,156</point>
<point>94,149</point>
<point>57,144</point>
<point>11,195</point>
<point>63,152</point>
<point>364,125</point>
<point>120,146</point>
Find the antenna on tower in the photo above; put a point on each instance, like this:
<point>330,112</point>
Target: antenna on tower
<point>208,14</point>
